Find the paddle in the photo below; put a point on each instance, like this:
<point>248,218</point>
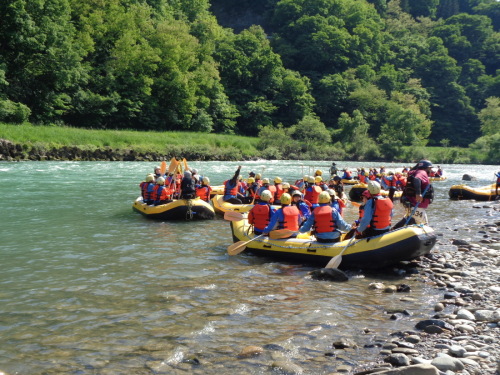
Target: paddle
<point>281,233</point>
<point>172,166</point>
<point>239,246</point>
<point>184,161</point>
<point>416,206</point>
<point>335,261</point>
<point>233,216</point>
<point>163,167</point>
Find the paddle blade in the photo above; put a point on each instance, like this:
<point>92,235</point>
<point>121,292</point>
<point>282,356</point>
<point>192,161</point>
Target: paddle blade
<point>334,262</point>
<point>172,166</point>
<point>355,203</point>
<point>280,233</point>
<point>184,161</point>
<point>233,216</point>
<point>236,247</point>
<point>163,167</point>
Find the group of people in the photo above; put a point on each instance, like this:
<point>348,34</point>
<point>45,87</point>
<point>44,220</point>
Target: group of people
<point>318,208</point>
<point>161,188</point>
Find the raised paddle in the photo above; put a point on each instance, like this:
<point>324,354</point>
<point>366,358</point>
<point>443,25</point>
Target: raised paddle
<point>335,261</point>
<point>233,216</point>
<point>184,161</point>
<point>173,165</point>
<point>163,167</point>
<point>239,246</point>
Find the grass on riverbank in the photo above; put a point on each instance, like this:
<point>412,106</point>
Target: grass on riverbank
<point>90,139</point>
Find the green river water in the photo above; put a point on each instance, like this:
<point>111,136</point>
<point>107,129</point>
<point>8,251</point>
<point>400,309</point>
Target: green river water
<point>87,286</point>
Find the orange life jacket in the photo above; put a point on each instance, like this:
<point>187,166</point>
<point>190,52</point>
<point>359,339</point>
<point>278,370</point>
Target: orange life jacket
<point>204,192</point>
<point>362,178</point>
<point>291,218</point>
<point>231,191</point>
<point>323,221</point>
<point>260,215</point>
<point>148,193</point>
<point>390,182</point>
<point>161,193</point>
<point>312,194</point>
<point>144,188</point>
<point>381,212</point>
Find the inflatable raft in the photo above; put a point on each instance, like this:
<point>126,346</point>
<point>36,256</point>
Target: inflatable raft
<point>349,182</point>
<point>434,179</point>
<point>369,253</point>
<point>221,207</point>
<point>484,193</point>
<point>357,190</point>
<point>181,209</point>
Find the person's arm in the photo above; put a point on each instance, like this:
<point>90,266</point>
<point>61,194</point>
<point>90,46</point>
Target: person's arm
<point>367,217</point>
<point>306,227</point>
<point>340,222</point>
<point>275,217</point>
<point>235,177</point>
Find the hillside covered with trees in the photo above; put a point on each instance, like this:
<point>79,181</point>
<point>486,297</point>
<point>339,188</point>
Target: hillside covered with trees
<point>362,78</point>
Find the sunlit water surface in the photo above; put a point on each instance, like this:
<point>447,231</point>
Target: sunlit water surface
<point>87,286</point>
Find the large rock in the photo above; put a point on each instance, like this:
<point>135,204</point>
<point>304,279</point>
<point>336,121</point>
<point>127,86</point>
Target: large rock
<point>445,362</point>
<point>468,177</point>
<point>421,369</point>
<point>329,274</point>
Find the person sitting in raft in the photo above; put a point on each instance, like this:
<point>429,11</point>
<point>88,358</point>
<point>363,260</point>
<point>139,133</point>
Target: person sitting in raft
<point>333,169</point>
<point>439,172</point>
<point>188,186</point>
<point>377,214</point>
<point>231,189</point>
<point>336,202</point>
<point>203,191</point>
<point>338,186</point>
<point>161,194</point>
<point>265,186</point>
<point>302,183</point>
<point>305,210</point>
<point>147,189</point>
<point>326,221</point>
<point>279,188</point>
<point>260,214</point>
<point>286,217</point>
<point>312,191</point>
<point>318,173</point>
<point>347,174</point>
<point>365,196</point>
<point>157,173</point>
<point>389,183</point>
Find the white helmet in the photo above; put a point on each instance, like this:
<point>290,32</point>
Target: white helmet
<point>266,196</point>
<point>374,187</point>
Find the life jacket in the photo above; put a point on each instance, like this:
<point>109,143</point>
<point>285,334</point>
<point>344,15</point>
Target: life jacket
<point>230,190</point>
<point>291,218</point>
<point>204,192</point>
<point>161,193</point>
<point>149,193</point>
<point>390,182</point>
<point>362,178</point>
<point>372,176</point>
<point>279,192</point>
<point>260,215</point>
<point>382,210</point>
<point>348,175</point>
<point>273,190</point>
<point>312,194</point>
<point>144,187</point>
<point>323,221</point>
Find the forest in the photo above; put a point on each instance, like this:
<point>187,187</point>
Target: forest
<point>350,78</point>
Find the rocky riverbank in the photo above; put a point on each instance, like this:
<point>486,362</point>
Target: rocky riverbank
<point>463,336</point>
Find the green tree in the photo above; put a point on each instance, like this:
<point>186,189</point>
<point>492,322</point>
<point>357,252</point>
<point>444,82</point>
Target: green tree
<point>310,131</point>
<point>490,117</point>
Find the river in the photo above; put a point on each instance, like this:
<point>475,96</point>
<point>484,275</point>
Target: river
<point>87,286</point>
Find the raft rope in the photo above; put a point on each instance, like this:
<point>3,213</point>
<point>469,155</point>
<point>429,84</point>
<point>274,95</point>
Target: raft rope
<point>189,212</point>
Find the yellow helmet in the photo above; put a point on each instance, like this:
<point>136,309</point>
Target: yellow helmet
<point>277,180</point>
<point>285,198</point>
<point>205,181</point>
<point>265,181</point>
<point>318,179</point>
<point>258,176</point>
<point>305,177</point>
<point>266,196</point>
<point>285,185</point>
<point>240,177</point>
<point>250,180</point>
<point>318,173</point>
<point>160,181</point>
<point>310,179</point>
<point>373,187</point>
<point>324,197</point>
<point>150,177</point>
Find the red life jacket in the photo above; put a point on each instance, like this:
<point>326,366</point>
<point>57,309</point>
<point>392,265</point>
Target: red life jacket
<point>381,212</point>
<point>260,216</point>
<point>144,188</point>
<point>279,192</point>
<point>312,194</point>
<point>161,193</point>
<point>204,192</point>
<point>390,182</point>
<point>291,218</point>
<point>362,178</point>
<point>149,191</point>
<point>323,221</point>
